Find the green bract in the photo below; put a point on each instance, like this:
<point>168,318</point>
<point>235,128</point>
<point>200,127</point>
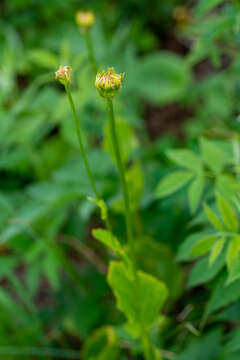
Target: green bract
<point>109,83</point>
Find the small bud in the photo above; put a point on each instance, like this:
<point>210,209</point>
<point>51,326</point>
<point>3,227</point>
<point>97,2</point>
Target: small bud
<point>108,83</point>
<point>85,20</point>
<point>182,15</point>
<point>63,74</point>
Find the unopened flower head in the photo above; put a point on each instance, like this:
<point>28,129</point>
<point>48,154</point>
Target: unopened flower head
<point>182,15</point>
<point>108,83</point>
<point>63,74</point>
<point>85,19</point>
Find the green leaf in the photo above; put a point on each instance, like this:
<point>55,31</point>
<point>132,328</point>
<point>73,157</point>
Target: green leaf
<point>195,192</point>
<point>233,252</point>
<point>44,58</point>
<point>215,221</point>
<point>216,251</point>
<point>162,77</point>
<point>184,251</point>
<point>223,295</point>
<point>107,238</point>
<point>206,347</point>
<point>160,263</point>
<point>203,245</point>
<point>213,156</point>
<point>206,5</point>
<point>102,345</point>
<point>152,295</point>
<point>172,183</point>
<point>228,215</point>
<point>102,206</point>
<point>203,273</point>
<point>186,159</point>
<point>234,269</point>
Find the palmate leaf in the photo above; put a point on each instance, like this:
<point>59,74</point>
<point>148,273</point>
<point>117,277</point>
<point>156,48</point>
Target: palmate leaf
<point>195,192</point>
<point>203,273</point>
<point>214,220</point>
<point>228,215</point>
<point>203,245</point>
<point>152,293</point>
<point>233,259</point>
<point>223,295</point>
<point>206,5</point>
<point>216,250</point>
<point>173,182</point>
<point>186,158</point>
<point>213,156</point>
<point>206,347</point>
<point>184,251</point>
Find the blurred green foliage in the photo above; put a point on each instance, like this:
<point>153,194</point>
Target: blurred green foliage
<point>178,123</point>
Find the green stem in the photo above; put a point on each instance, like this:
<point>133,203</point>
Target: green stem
<point>90,52</point>
<point>121,171</point>
<point>147,348</point>
<point>78,130</point>
<point>129,224</point>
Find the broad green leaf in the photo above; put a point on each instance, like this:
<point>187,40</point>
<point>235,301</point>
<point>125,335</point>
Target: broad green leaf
<point>107,238</point>
<point>228,215</point>
<point>186,158</point>
<point>228,186</point>
<point>163,77</point>
<point>206,5</point>
<point>203,273</point>
<point>184,251</point>
<point>172,183</point>
<point>206,347</point>
<point>204,245</point>
<point>102,345</point>
<point>213,156</point>
<point>138,308</point>
<point>215,221</point>
<point>233,251</point>
<point>44,58</point>
<point>160,263</point>
<point>216,251</point>
<point>233,343</point>
<point>223,295</point>
<point>195,192</point>
<point>234,269</point>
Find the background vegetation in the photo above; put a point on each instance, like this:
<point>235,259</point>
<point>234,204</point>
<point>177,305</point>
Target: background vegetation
<point>178,122</point>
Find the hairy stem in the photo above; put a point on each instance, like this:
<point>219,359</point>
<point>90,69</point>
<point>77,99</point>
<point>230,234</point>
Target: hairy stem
<point>147,348</point>
<point>78,130</point>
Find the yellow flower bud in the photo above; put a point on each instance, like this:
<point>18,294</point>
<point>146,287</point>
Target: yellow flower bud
<point>108,83</point>
<point>182,15</point>
<point>85,19</point>
<point>63,74</point>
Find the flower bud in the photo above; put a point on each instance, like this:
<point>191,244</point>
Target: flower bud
<point>63,74</point>
<point>85,19</point>
<point>182,15</point>
<point>108,83</point>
